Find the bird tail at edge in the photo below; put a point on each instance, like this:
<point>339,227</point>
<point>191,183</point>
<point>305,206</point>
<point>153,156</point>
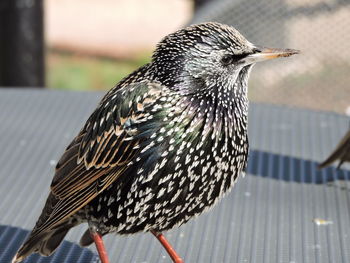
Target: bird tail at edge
<point>45,244</point>
<point>338,153</point>
<point>332,158</point>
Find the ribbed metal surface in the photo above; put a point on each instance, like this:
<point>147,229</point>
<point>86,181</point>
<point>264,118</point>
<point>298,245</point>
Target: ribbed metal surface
<point>269,216</point>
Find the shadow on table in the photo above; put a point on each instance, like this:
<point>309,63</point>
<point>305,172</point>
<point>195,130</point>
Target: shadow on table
<point>292,169</point>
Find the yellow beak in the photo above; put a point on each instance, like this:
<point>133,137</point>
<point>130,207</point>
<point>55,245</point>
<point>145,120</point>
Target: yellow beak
<point>270,53</point>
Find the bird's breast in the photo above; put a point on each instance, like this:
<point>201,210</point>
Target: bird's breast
<point>191,160</point>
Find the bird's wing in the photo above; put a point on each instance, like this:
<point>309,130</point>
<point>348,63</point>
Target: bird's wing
<point>340,152</point>
<point>101,152</point>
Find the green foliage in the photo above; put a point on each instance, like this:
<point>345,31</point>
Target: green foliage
<point>74,72</point>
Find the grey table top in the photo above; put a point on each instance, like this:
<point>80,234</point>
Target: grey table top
<point>270,216</point>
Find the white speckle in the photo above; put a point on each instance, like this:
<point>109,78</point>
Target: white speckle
<point>170,186</point>
<point>161,192</point>
<point>164,161</point>
<point>119,215</point>
<point>182,180</point>
<point>177,166</point>
<point>110,200</point>
<point>188,159</point>
<point>110,214</point>
<point>175,196</point>
<point>191,186</point>
<point>102,120</point>
<point>177,158</point>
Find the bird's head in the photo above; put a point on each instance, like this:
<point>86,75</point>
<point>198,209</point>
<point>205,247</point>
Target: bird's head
<point>208,56</point>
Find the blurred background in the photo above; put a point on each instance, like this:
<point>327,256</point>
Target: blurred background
<point>91,45</point>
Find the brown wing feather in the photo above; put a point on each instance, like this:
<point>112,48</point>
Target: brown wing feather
<point>99,154</point>
<point>108,128</point>
<point>72,203</point>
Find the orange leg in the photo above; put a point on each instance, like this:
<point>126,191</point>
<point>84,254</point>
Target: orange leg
<point>99,245</point>
<point>165,243</point>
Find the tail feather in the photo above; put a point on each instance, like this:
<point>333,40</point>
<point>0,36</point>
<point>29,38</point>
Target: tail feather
<point>32,245</point>
<point>50,245</point>
<point>44,243</point>
<point>44,240</point>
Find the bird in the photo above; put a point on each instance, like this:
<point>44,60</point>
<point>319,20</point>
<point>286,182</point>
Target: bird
<point>341,153</point>
<point>162,147</point>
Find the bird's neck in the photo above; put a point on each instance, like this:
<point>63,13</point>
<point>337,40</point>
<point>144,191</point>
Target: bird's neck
<point>222,103</point>
<point>229,99</point>
<point>222,110</point>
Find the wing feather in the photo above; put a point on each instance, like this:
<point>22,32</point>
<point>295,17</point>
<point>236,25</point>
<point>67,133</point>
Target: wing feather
<point>100,153</point>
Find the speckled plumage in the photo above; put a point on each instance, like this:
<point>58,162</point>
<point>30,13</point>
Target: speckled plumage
<point>191,137</point>
<point>163,146</point>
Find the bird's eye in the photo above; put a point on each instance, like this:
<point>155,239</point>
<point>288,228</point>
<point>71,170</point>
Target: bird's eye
<point>256,50</point>
<point>229,59</point>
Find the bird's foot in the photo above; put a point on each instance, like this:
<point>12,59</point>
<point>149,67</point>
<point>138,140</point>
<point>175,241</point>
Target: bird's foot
<point>99,244</point>
<point>165,243</point>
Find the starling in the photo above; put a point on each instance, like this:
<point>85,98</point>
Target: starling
<point>162,146</point>
<point>341,152</point>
